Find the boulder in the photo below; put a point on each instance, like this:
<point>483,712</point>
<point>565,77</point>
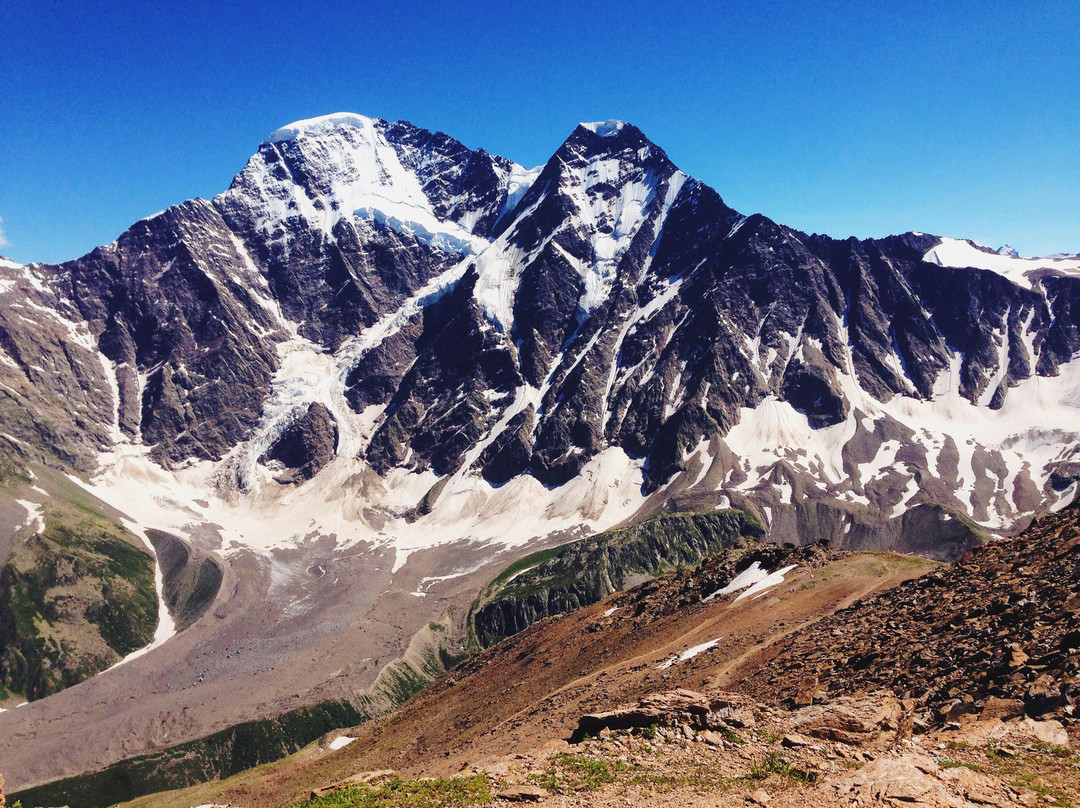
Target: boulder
<point>521,794</point>
<point>674,708</point>
<point>997,709</point>
<point>851,720</point>
<point>916,779</point>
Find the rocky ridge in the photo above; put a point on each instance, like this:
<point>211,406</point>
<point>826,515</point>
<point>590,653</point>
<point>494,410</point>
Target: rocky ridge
<point>585,572</point>
<point>996,634</point>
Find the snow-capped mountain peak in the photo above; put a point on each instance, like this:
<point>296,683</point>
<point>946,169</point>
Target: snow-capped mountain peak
<point>321,123</point>
<point>605,128</point>
<point>579,219</point>
<point>343,167</point>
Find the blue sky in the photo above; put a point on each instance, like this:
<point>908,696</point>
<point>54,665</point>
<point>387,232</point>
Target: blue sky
<point>957,118</point>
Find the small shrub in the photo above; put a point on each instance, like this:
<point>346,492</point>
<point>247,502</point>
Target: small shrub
<point>574,773</point>
<point>775,763</point>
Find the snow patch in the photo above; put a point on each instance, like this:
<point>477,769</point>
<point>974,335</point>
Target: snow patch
<point>35,514</point>
<point>689,653</point>
<point>753,579</point>
<point>769,581</point>
<point>340,743</point>
<point>952,252</point>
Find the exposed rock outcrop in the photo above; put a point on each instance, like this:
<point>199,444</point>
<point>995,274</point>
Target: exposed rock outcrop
<point>306,446</point>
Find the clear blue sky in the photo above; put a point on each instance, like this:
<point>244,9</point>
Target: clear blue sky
<point>958,118</point>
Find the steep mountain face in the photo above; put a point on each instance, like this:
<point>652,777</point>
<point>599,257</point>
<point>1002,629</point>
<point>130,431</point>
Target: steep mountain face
<point>383,355</point>
<point>457,321</point>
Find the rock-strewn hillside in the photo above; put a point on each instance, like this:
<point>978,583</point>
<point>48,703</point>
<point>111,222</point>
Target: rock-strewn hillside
<point>701,683</point>
<point>1001,625</point>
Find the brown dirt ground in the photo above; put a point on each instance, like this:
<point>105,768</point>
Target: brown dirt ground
<point>531,692</point>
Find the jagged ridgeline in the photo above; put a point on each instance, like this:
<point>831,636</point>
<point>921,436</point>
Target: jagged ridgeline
<point>562,579</point>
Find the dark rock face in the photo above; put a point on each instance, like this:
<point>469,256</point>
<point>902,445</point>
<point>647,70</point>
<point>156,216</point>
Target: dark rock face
<point>440,406</point>
<point>307,445</point>
<point>491,321</point>
<point>175,301</point>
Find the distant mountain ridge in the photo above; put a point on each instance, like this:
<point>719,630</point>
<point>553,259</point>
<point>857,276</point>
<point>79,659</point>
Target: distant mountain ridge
<point>478,319</point>
<point>387,356</point>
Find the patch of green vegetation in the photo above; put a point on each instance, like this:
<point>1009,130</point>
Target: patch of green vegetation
<point>1048,794</point>
<point>449,659</point>
<point>522,564</point>
<point>400,681</point>
<point>81,577</point>
<point>1053,750</point>
<point>454,792</point>
<point>731,736</point>
<point>192,578</point>
<point>702,777</point>
<point>12,471</point>
<point>948,763</point>
<point>775,763</point>
<point>568,772</point>
<point>215,756</point>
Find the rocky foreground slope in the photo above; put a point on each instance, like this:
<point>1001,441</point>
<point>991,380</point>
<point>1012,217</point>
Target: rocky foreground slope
<point>999,631</point>
<point>698,700</point>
